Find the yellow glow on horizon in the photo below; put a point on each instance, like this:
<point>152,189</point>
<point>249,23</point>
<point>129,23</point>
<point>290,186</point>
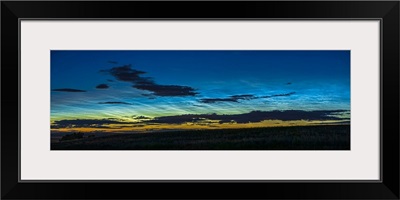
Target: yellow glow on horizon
<point>197,126</point>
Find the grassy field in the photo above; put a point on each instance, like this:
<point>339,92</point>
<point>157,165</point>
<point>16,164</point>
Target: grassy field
<point>327,137</point>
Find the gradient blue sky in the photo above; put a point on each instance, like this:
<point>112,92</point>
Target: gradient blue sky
<point>315,80</point>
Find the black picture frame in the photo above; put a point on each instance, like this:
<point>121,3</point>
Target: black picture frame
<point>386,11</point>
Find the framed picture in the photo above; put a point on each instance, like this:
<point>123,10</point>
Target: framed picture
<point>116,99</point>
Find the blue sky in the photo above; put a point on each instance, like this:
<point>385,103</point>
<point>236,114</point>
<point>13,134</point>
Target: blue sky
<point>169,83</point>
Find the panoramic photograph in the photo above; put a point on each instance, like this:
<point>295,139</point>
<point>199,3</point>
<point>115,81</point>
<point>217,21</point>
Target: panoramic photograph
<point>200,100</point>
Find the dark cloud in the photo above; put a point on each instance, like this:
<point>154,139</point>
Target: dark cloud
<point>149,96</point>
<point>243,97</point>
<point>68,90</point>
<point>127,74</point>
<point>236,98</point>
<point>278,95</point>
<point>102,86</point>
<point>215,100</point>
<point>254,116</point>
<point>142,117</point>
<point>251,117</point>
<point>167,90</point>
<point>144,81</point>
<point>80,123</point>
<point>109,80</point>
<point>114,102</point>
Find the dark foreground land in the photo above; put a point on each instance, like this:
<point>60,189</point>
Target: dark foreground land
<point>329,137</point>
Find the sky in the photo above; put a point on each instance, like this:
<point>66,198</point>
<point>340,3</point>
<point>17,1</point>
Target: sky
<point>119,91</point>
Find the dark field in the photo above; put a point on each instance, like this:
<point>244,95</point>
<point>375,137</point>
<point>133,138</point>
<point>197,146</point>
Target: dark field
<point>328,137</point>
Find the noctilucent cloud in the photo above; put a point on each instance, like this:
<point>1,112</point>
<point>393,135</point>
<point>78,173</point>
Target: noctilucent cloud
<point>168,89</point>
